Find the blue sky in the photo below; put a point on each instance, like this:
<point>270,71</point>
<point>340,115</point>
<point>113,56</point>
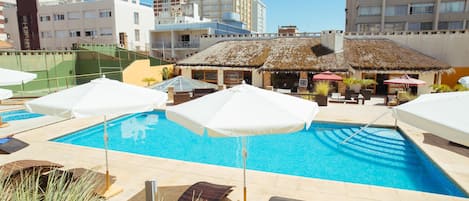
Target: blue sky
<point>307,15</point>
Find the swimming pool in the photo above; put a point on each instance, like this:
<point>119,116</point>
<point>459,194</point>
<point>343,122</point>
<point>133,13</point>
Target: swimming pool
<point>378,156</point>
<point>18,115</point>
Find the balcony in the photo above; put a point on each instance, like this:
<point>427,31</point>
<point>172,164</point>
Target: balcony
<point>177,45</point>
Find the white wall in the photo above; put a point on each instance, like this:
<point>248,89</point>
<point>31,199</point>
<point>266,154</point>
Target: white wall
<point>121,20</point>
<point>449,47</point>
<point>257,78</point>
<point>125,23</point>
<point>81,24</point>
<point>186,72</point>
<point>12,27</point>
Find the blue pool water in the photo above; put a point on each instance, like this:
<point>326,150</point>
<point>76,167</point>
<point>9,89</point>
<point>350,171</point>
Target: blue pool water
<point>378,156</point>
<point>18,115</point>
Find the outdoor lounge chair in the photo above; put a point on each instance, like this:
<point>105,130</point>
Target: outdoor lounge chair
<point>206,191</point>
<point>277,198</point>
<point>197,93</point>
<point>16,168</point>
<point>99,179</point>
<point>181,97</point>
<point>9,145</point>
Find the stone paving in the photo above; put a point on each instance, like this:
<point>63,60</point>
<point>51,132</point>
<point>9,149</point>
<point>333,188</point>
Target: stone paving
<point>132,170</point>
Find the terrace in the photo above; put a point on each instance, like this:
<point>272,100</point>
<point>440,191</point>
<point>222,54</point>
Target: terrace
<point>132,170</point>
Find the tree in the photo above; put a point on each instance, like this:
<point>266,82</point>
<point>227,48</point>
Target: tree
<point>148,80</point>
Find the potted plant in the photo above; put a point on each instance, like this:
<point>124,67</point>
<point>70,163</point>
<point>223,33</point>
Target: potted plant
<point>365,83</point>
<point>148,80</point>
<point>321,90</point>
<point>441,88</point>
<point>349,82</point>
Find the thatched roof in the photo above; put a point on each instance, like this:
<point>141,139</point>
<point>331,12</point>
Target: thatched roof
<point>307,54</point>
<point>385,55</point>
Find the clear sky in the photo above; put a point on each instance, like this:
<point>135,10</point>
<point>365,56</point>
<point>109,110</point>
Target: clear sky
<point>307,15</point>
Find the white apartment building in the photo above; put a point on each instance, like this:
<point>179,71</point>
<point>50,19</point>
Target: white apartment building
<point>62,23</point>
<point>4,4</point>
<point>259,17</point>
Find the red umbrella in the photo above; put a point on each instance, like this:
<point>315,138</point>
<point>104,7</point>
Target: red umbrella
<point>327,76</point>
<point>406,80</point>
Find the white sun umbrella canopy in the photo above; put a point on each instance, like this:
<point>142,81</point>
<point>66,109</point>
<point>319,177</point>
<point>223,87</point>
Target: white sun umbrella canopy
<point>100,97</point>
<point>12,77</point>
<point>244,110</point>
<point>181,83</point>
<point>5,94</point>
<point>464,81</point>
<point>442,114</point>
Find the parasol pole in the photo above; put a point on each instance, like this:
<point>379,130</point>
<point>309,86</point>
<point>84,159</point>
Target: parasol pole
<point>106,138</point>
<point>245,155</point>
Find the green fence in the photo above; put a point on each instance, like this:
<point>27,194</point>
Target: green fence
<point>57,70</point>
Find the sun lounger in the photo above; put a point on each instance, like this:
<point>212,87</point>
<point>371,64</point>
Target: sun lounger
<point>99,179</point>
<point>23,166</point>
<point>206,191</point>
<point>277,198</point>
<point>10,145</point>
<point>181,98</point>
<point>197,93</point>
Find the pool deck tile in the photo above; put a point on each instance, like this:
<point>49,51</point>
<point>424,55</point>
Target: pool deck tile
<point>132,170</point>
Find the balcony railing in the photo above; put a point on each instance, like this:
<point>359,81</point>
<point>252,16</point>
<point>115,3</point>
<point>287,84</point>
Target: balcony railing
<point>177,44</point>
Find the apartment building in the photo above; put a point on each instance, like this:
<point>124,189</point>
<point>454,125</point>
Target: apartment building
<point>259,17</point>
<point>177,34</point>
<point>406,15</point>
<point>4,4</point>
<point>60,24</point>
<point>215,9</point>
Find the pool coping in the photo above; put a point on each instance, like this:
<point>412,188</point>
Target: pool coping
<point>409,132</point>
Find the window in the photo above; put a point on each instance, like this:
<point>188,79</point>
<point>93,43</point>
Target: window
<point>105,32</point>
<point>236,77</point>
<point>137,35</point>
<point>90,14</point>
<point>396,10</point>
<point>75,33</point>
<point>369,27</point>
<point>399,26</point>
<point>46,34</point>
<point>369,11</point>
<point>136,20</point>
<point>450,25</point>
<point>421,8</point>
<point>419,26</point>
<point>74,15</point>
<point>210,76</point>
<point>90,32</point>
<point>105,13</point>
<point>59,17</point>
<point>44,18</point>
<point>452,7</point>
<point>61,34</point>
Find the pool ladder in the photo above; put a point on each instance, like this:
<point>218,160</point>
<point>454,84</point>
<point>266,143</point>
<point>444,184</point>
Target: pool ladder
<point>363,128</point>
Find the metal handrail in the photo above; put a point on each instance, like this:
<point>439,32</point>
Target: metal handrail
<point>363,128</point>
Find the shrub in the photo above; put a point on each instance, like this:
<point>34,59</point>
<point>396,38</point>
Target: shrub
<point>322,88</point>
<point>59,187</point>
<point>366,82</point>
<point>439,88</point>
<point>350,81</point>
<point>149,80</point>
<point>460,87</point>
